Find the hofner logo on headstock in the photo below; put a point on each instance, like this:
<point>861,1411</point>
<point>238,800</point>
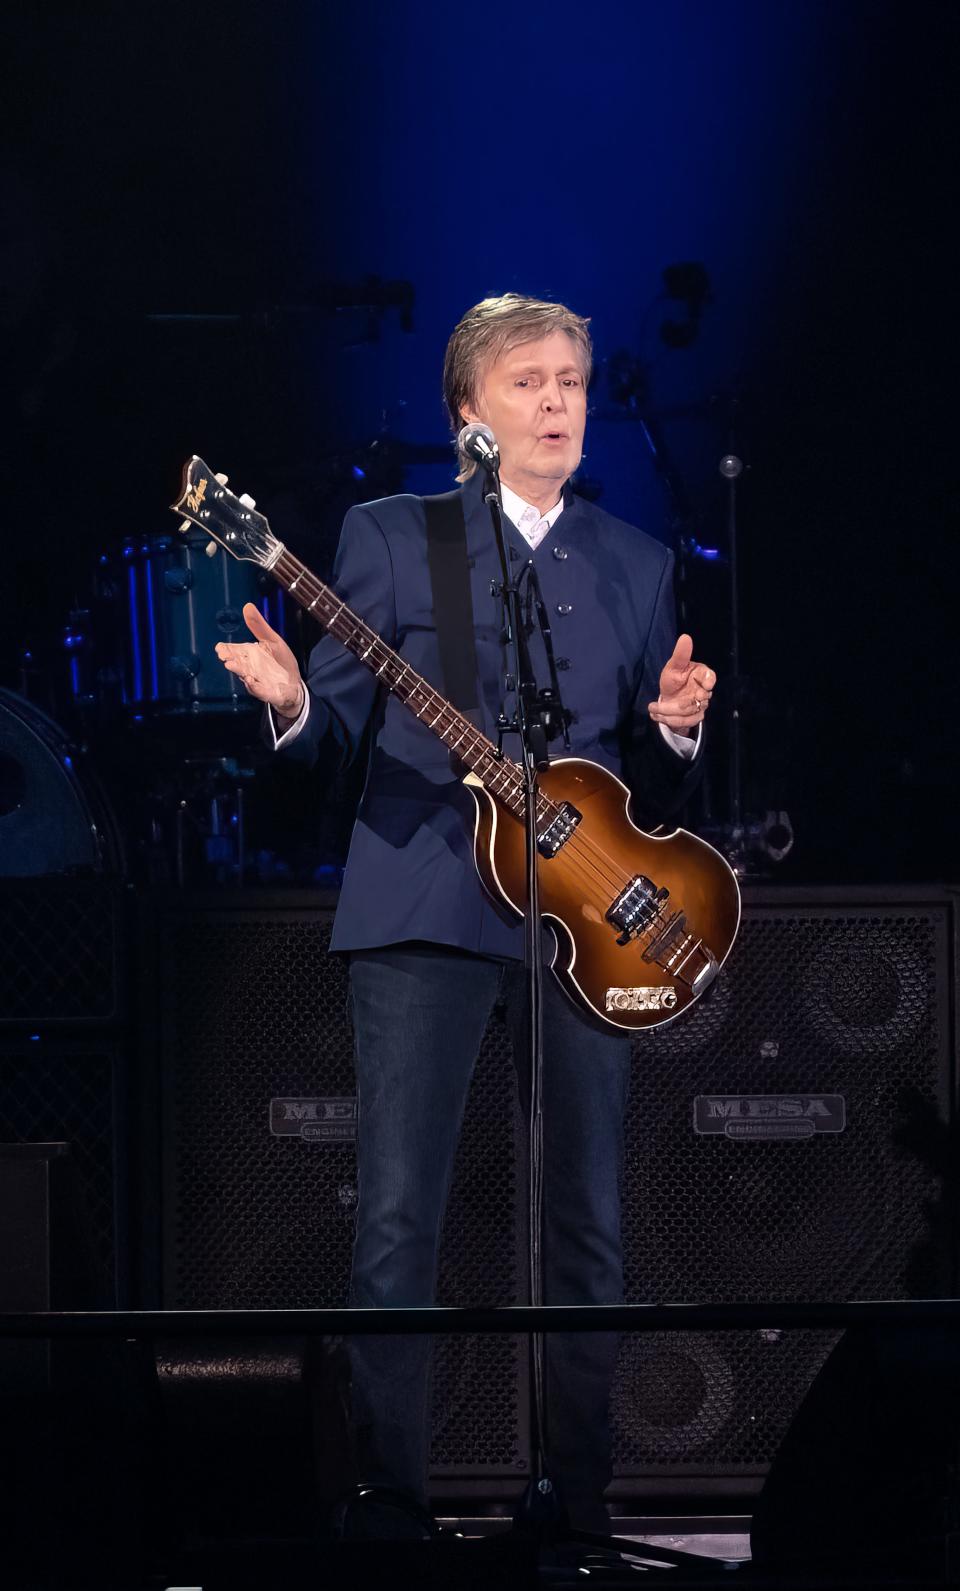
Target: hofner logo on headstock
<point>195,498</point>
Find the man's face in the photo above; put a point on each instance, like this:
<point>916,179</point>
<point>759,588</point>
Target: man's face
<point>534,400</point>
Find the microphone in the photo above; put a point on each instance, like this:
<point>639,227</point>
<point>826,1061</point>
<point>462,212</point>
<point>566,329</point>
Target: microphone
<point>479,443</point>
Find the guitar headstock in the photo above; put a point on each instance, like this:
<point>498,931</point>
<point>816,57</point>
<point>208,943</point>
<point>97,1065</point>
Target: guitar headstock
<point>229,520</point>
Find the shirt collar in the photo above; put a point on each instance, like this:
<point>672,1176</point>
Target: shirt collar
<point>514,507</point>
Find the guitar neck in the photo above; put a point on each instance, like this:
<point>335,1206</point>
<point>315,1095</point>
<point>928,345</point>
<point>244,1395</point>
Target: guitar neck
<point>502,777</point>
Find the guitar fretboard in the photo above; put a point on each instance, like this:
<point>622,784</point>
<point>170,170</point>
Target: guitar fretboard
<point>498,774</point>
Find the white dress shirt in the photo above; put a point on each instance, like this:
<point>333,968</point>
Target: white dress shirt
<point>532,525</point>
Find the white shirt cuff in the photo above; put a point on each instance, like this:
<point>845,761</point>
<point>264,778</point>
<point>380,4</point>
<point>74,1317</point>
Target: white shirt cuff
<point>683,745</point>
<point>295,727</point>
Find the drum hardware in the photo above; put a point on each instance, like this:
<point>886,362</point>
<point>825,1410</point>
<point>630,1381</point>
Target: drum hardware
<point>196,828</point>
<point>215,811</point>
<point>759,841</point>
<point>94,683</point>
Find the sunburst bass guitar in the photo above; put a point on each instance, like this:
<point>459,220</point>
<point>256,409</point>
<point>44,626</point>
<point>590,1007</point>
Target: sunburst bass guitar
<point>643,922</point>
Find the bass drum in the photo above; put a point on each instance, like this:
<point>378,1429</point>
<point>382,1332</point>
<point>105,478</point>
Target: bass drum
<point>54,818</point>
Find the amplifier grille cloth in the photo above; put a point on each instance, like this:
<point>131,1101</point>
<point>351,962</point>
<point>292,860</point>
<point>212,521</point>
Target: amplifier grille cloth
<point>266,1222</point>
<point>53,1092</point>
<point>814,1000</point>
<point>60,952</point>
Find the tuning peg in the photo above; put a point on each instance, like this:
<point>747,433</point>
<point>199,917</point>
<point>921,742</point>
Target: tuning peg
<point>223,479</point>
<point>246,500</point>
<point>211,549</point>
<point>185,525</point>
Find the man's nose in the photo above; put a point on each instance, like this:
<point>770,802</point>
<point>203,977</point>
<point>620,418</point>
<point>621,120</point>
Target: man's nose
<point>551,396</point>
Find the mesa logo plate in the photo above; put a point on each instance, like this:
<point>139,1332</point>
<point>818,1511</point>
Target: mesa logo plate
<point>756,1116</point>
<point>325,1121</point>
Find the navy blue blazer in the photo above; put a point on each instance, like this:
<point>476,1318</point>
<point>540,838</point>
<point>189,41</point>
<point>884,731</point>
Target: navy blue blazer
<point>410,872</point>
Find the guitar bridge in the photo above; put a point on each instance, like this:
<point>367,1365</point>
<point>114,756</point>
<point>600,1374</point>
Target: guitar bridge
<point>677,951</point>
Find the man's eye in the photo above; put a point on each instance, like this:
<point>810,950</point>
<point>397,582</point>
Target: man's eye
<point>523,381</point>
<point>571,381</point>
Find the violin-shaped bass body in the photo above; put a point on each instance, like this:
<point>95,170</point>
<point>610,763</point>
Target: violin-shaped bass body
<point>643,922</point>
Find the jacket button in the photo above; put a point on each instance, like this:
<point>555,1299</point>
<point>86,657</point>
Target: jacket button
<point>564,608</point>
<point>563,663</point>
<point>560,553</point>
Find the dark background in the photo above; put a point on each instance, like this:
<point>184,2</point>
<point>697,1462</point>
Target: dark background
<point>194,197</point>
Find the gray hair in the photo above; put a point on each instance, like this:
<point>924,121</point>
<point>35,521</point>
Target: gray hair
<point>492,328</point>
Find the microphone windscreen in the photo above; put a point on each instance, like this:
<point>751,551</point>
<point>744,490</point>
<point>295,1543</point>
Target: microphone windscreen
<point>478,442</point>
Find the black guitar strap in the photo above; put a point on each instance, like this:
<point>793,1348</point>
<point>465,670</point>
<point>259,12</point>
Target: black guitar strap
<point>452,601</point>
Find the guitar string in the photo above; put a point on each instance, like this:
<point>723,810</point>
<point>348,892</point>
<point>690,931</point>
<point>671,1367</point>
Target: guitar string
<point>579,847</point>
<point>616,879</point>
<point>576,848</point>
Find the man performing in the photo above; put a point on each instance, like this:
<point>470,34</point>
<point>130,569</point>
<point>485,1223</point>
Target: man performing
<point>430,952</point>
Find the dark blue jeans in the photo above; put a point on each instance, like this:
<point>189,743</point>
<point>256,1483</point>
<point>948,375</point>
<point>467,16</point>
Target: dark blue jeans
<point>419,1014</point>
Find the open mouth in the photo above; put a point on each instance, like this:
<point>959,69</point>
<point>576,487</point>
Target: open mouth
<point>554,436</point>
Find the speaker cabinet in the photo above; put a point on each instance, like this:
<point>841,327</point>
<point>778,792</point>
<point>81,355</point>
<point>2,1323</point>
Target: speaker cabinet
<point>782,1146</point>
<point>63,1078</point>
<point>63,952</point>
<point>779,1146</point>
<point>258,1159</point>
<point>55,1090</point>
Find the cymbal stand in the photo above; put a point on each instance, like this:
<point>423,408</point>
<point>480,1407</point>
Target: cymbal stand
<point>731,467</point>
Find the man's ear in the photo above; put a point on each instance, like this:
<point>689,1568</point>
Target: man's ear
<point>469,415</point>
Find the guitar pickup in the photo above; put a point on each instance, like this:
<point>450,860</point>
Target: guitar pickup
<point>636,907</point>
<point>558,831</point>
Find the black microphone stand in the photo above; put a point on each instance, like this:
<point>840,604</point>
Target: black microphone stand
<point>538,1508</point>
<point>539,715</point>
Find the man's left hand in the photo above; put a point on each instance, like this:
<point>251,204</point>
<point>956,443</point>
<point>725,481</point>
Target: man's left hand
<point>685,690</point>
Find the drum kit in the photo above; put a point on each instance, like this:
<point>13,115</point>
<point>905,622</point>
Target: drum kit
<point>143,770</point>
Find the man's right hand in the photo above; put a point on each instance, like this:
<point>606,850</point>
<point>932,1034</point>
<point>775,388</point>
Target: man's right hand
<point>266,665</point>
